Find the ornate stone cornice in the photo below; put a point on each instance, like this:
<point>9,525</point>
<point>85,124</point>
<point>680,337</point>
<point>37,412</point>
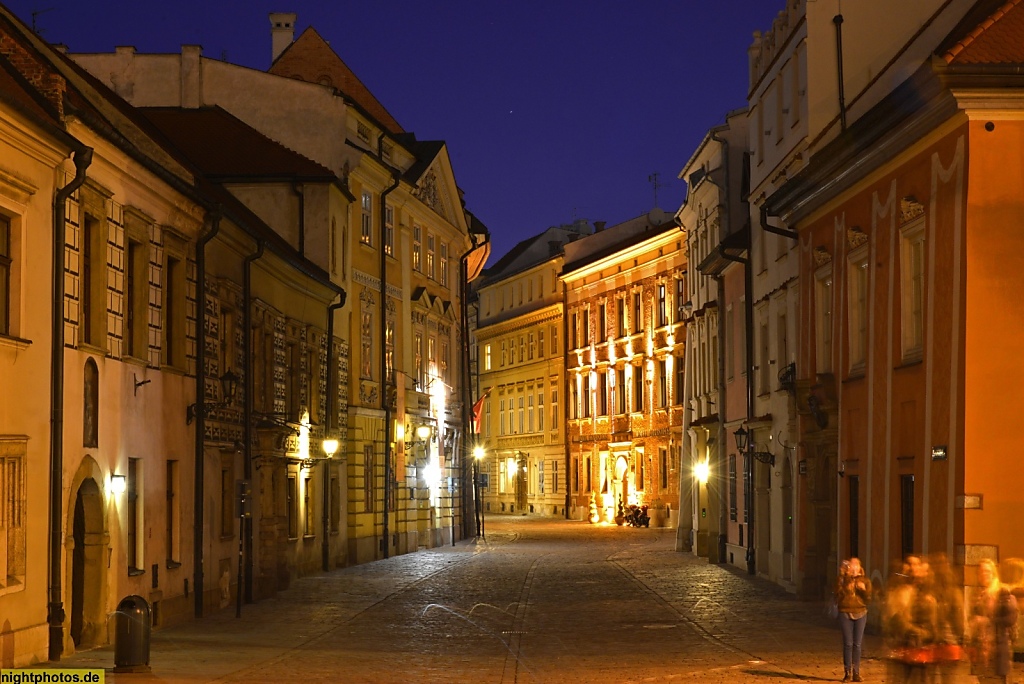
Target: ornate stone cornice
<point>856,237</point>
<point>910,209</point>
<point>821,256</point>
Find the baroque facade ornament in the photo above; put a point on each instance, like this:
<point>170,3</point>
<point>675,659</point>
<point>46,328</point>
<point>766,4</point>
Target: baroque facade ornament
<point>821,256</point>
<point>428,192</point>
<point>910,209</point>
<point>856,237</point>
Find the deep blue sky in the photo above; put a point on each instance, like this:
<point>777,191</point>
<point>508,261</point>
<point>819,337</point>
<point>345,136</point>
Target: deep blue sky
<point>552,109</point>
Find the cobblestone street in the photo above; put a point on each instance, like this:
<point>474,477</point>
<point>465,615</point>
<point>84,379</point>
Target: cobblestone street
<point>538,601</point>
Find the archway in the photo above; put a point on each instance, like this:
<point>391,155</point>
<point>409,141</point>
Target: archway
<point>620,483</point>
<point>88,546</point>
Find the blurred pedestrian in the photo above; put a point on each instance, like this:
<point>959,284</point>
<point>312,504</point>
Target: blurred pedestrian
<point>993,626</point>
<point>950,619</point>
<point>896,619</point>
<point>853,593</point>
<point>916,624</point>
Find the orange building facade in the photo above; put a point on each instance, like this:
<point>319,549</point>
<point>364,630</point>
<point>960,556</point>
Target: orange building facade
<point>909,380</point>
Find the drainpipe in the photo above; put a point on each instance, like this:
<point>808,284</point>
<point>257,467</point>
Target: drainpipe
<point>838,21</point>
<point>565,395</point>
<point>300,192</point>
<point>55,608</point>
<point>784,232</point>
<point>198,522</point>
<point>332,363</point>
<point>385,381</point>
<point>247,409</point>
<point>723,504</point>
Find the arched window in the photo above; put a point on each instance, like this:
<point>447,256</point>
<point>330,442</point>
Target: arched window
<point>91,405</point>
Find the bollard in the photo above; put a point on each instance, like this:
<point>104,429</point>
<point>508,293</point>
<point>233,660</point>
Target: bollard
<point>131,635</point>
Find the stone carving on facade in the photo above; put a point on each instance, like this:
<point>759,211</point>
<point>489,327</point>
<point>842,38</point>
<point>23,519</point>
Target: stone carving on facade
<point>429,193</point>
<point>367,394</point>
<point>821,256</point>
<point>366,298</point>
<point>856,237</point>
<point>910,209</point>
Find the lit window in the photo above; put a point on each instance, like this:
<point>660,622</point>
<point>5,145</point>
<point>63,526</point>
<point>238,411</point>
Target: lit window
<point>444,264</point>
<point>389,231</point>
<point>366,233</point>
<point>430,258</point>
<point>417,248</point>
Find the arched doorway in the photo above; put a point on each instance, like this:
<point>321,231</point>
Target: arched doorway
<point>620,483</point>
<point>87,589</point>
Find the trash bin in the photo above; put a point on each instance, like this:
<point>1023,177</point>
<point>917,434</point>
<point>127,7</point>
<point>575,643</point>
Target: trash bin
<point>131,635</point>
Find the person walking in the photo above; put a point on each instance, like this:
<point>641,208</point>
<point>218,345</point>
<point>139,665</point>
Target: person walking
<point>993,622</point>
<point>853,593</point>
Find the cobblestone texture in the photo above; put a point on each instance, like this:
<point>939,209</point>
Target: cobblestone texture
<point>538,601</point>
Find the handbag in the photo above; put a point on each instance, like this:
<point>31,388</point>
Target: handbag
<point>833,609</point>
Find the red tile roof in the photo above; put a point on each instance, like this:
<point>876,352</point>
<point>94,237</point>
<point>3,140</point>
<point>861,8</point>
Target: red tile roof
<point>999,39</point>
<point>311,59</point>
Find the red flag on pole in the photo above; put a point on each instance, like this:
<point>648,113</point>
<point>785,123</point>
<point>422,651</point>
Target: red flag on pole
<point>478,409</point>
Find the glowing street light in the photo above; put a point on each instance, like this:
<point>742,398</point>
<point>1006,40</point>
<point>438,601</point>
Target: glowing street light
<point>701,471</point>
<point>330,446</point>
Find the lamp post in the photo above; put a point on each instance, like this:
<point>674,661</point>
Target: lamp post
<point>228,387</point>
<point>478,454</point>
<point>746,446</point>
<point>330,447</point>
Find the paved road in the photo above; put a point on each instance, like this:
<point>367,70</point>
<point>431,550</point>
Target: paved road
<point>539,601</point>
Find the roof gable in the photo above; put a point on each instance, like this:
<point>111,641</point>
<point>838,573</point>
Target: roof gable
<point>997,39</point>
<point>310,58</point>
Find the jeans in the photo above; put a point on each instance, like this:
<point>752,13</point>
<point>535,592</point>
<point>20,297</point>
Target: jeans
<point>853,637</point>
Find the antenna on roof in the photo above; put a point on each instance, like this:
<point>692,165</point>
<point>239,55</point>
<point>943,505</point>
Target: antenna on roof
<point>35,25</point>
<point>653,180</point>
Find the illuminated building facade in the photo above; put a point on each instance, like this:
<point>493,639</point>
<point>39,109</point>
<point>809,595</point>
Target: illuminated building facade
<point>625,340</point>
<point>519,338</point>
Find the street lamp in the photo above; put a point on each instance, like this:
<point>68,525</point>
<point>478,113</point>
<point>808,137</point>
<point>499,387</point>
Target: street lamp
<point>745,445</point>
<point>330,446</point>
<point>228,387</point>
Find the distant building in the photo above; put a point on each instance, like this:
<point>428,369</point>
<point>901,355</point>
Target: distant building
<point>624,367</point>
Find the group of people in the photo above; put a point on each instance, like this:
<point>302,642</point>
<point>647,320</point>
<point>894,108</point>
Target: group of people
<point>927,628</point>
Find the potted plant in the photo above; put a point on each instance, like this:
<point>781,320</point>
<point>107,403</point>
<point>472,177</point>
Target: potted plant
<point>620,514</point>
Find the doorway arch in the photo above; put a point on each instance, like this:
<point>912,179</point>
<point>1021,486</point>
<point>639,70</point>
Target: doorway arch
<point>87,546</point>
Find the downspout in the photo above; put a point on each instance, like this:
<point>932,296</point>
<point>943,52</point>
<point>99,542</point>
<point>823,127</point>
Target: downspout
<point>385,381</point>
<point>247,410</point>
<point>332,362</point>
<point>469,427</point>
<point>300,192</point>
<point>199,475</point>
<point>55,608</point>
<point>784,232</point>
<point>838,21</point>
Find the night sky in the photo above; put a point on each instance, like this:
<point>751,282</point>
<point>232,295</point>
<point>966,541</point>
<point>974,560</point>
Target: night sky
<point>552,109</point>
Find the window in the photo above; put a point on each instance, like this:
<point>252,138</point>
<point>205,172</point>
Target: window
<point>540,344</point>
<point>823,320</point>
<point>432,356</point>
<point>586,395</point>
<point>307,504</point>
<point>602,394</point>
<point>487,357</point>
<point>293,506</point>
<point>444,264</point>
<point>504,354</point>
<point>366,343</point>
<point>389,230</point>
<point>501,417</point>
<point>681,299</point>
<point>680,366</point>
<point>417,351</point>
<point>172,512</point>
<point>586,327</point>
<point>663,467</point>
<point>369,474</point>
<point>174,312</point>
<point>554,341</point>
<point>522,349</point>
<point>92,276</point>
<point>132,515</point>
<point>540,410</point>
<point>487,417</point>
<point>574,336</point>
<point>13,524</point>
<point>732,487</point>
<point>529,411</point>
<point>136,300</point>
<point>540,476</point>
<point>444,360</point>
<point>730,345</point>
<point>638,389</point>
<point>912,271</point>
<point>532,348</point>
<point>389,349</point>
<point>662,306</point>
<point>522,416</point>
<point>858,314</point>
<point>5,275</point>
<point>602,322</point>
<point>574,399</point>
<point>431,273</point>
<point>554,407</point>
<point>620,390</point>
<point>662,383</point>
<point>366,229</point>
<point>636,313</point>
<point>417,248</point>
<point>91,405</point>
<point>620,307</point>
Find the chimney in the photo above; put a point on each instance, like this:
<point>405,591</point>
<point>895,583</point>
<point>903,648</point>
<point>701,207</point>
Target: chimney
<point>599,226</point>
<point>282,32</point>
